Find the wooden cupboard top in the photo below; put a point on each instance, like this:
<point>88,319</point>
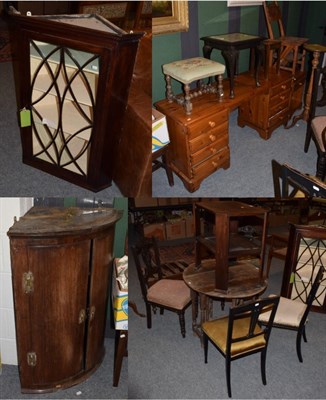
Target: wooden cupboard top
<point>88,28</point>
<point>61,221</point>
<point>232,208</point>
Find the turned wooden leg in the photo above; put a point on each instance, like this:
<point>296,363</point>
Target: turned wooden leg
<point>187,103</point>
<point>220,91</point>
<point>322,101</point>
<point>169,93</point>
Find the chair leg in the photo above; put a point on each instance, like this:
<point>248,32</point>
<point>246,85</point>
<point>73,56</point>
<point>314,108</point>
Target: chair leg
<point>149,315</point>
<point>182,323</point>
<point>321,166</point>
<point>304,334</point>
<point>263,365</point>
<point>205,342</point>
<point>308,138</point>
<point>228,375</point>
<point>299,345</point>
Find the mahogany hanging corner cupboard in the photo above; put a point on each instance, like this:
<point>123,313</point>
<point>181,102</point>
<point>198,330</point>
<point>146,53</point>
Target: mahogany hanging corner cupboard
<point>73,76</point>
<point>61,260</point>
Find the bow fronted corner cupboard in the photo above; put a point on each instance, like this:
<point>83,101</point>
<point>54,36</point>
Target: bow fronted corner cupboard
<point>73,76</point>
<point>61,260</point>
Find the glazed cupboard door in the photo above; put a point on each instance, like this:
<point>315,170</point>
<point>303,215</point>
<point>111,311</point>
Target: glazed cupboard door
<point>50,289</point>
<point>73,75</point>
<point>63,97</point>
<point>59,105</point>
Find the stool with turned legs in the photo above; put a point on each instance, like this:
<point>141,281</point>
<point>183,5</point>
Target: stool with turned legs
<point>192,70</point>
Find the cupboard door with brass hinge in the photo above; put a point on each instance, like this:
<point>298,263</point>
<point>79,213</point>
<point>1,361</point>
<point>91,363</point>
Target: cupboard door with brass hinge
<point>61,262</point>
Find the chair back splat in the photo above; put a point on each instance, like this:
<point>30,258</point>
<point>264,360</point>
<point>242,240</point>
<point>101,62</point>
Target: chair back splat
<point>292,55</point>
<point>240,334</point>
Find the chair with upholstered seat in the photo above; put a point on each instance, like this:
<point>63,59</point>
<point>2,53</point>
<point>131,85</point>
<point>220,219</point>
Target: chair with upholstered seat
<point>292,53</point>
<point>317,129</point>
<point>239,334</point>
<point>293,314</point>
<point>170,294</point>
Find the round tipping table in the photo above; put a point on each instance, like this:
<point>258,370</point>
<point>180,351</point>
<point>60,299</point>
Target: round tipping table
<point>245,282</point>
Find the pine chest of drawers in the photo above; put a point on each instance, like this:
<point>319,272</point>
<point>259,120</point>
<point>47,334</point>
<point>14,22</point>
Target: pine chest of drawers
<point>199,143</point>
<point>266,112</point>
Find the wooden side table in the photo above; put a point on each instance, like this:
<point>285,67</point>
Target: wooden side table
<point>316,50</point>
<point>230,44</point>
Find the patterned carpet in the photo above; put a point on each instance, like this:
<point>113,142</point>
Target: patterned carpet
<point>5,47</point>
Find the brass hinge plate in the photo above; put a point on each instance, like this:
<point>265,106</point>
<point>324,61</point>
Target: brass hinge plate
<point>28,282</point>
<point>31,359</point>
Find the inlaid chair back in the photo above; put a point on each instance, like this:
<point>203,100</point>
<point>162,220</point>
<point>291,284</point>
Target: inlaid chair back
<point>239,334</point>
<point>170,294</point>
<point>292,55</point>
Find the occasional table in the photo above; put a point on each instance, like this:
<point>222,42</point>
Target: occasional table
<point>317,51</point>
<point>245,282</point>
<point>230,44</point>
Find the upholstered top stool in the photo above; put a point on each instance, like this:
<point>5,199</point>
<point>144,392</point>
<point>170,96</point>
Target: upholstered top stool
<point>191,70</point>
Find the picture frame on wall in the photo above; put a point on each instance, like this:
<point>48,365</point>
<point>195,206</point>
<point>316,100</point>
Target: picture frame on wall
<point>169,17</point>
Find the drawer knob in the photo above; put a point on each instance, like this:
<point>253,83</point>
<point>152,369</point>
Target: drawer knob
<point>283,87</point>
<point>282,98</point>
<point>212,138</point>
<point>214,163</point>
<point>212,124</point>
<point>213,150</point>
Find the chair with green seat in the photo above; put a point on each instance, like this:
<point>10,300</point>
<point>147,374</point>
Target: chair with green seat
<point>239,334</point>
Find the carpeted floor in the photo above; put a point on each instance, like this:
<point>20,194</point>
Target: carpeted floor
<point>5,47</point>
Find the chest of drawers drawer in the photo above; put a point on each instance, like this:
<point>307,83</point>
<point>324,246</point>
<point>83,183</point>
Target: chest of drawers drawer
<point>277,106</point>
<point>282,87</point>
<point>208,138</point>
<point>207,125</point>
<point>212,164</point>
<point>210,150</point>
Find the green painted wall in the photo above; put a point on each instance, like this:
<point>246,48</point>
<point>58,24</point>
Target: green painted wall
<point>120,203</point>
<point>213,18</point>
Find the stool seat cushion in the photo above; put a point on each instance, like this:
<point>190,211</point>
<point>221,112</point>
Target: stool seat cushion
<point>318,125</point>
<point>192,69</point>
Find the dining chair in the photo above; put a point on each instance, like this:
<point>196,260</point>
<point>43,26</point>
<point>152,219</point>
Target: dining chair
<point>164,260</point>
<point>277,248</point>
<point>170,294</point>
<point>292,54</point>
<point>293,314</point>
<point>239,334</point>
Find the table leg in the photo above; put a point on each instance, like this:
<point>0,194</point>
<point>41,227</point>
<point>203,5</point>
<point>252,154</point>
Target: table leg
<point>121,340</point>
<point>308,97</point>
<point>207,51</point>
<point>259,52</point>
<point>322,101</point>
<point>230,56</point>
